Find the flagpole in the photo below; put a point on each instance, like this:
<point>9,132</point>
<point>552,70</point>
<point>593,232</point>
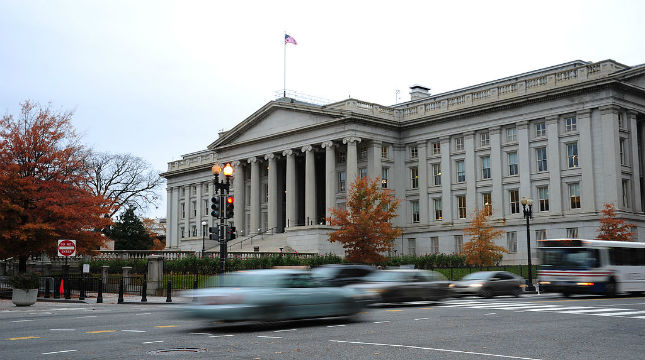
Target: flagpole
<point>284,70</point>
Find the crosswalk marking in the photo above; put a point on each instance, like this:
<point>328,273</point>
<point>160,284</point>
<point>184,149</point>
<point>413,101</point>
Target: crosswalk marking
<point>622,313</point>
<point>584,311</point>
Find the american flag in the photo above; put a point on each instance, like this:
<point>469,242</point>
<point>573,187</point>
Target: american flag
<point>289,40</point>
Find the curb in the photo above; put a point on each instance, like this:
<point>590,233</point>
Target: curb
<point>62,301</point>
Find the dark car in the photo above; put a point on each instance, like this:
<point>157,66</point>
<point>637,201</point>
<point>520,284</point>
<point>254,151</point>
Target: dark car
<point>341,275</point>
<point>488,284</point>
<point>405,285</point>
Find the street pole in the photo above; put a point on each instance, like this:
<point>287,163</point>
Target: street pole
<point>204,223</point>
<point>528,214</point>
<point>221,192</point>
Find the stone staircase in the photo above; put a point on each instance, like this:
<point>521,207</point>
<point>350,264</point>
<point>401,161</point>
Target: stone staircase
<point>267,242</point>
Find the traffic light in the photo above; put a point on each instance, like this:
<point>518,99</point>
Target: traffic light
<point>229,206</point>
<point>216,207</point>
<point>213,233</point>
<point>230,235</point>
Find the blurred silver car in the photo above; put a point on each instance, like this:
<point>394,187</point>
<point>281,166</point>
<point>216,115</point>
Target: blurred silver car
<point>405,285</point>
<point>488,284</point>
<point>272,295</point>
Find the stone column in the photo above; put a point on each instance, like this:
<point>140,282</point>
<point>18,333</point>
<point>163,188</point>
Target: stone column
<point>272,204</point>
<point>446,180</point>
<point>374,165</point>
<point>155,275</point>
<point>523,157</point>
<point>187,211</point>
<point>471,173</point>
<point>170,222</point>
<point>126,275</point>
<point>554,166</point>
<point>352,159</point>
<point>310,185</point>
<point>330,177</point>
<point>587,186</point>
<point>238,193</point>
<point>291,188</point>
<point>497,193</point>
<point>255,195</point>
<point>176,217</point>
<point>611,169</point>
<point>104,274</point>
<point>423,182</point>
<point>635,161</point>
<point>198,209</point>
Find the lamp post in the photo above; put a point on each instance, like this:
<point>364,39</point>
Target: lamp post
<point>221,190</point>
<point>204,223</point>
<point>528,214</point>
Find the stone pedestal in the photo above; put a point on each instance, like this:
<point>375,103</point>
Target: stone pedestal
<point>104,274</point>
<point>155,275</point>
<point>126,275</point>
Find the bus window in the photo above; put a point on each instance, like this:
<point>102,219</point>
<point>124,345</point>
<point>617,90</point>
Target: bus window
<point>570,258</point>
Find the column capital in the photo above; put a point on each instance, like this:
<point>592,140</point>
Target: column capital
<point>632,113</point>
<point>236,163</point>
<point>469,134</point>
<point>327,144</point>
<point>377,143</point>
<point>422,143</point>
<point>306,148</point>
<point>609,109</point>
<point>445,138</point>
<point>269,156</point>
<point>287,152</point>
<point>351,139</point>
<point>252,160</point>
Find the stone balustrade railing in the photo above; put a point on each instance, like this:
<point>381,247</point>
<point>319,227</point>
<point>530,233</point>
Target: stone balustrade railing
<point>193,160</point>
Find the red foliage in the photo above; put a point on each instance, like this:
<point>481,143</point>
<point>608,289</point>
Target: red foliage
<point>43,196</point>
<point>364,226</point>
<point>481,249</point>
<point>612,228</point>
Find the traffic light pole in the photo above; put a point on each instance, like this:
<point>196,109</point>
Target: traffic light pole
<point>221,211</point>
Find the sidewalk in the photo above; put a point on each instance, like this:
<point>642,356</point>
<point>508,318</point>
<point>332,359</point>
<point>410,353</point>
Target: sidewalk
<point>107,299</point>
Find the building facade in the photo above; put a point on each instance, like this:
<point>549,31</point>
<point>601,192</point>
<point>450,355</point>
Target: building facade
<point>569,137</point>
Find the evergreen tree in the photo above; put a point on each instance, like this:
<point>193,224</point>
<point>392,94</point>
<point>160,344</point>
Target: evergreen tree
<point>129,233</point>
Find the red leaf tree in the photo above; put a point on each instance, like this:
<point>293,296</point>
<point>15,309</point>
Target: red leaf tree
<point>364,226</point>
<point>43,192</point>
<point>612,228</point>
<point>481,249</point>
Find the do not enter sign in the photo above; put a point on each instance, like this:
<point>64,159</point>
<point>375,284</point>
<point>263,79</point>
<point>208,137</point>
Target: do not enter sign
<point>66,247</point>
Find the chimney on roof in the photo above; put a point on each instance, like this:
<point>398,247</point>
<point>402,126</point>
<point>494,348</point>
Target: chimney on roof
<point>419,92</point>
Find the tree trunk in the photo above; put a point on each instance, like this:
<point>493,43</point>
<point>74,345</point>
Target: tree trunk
<point>22,264</point>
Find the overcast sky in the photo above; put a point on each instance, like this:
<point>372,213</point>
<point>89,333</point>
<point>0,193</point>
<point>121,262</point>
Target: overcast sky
<point>158,79</point>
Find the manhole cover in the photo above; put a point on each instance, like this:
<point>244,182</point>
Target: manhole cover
<point>175,351</point>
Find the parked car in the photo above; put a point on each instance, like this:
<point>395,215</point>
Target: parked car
<point>405,285</point>
<point>272,295</point>
<point>341,275</point>
<point>488,284</point>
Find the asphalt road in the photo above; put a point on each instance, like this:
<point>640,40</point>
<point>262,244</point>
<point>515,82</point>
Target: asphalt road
<point>530,327</point>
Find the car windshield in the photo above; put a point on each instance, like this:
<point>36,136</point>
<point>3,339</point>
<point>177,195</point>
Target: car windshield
<point>386,276</point>
<point>250,279</point>
<point>323,272</point>
<point>477,276</point>
<point>569,258</point>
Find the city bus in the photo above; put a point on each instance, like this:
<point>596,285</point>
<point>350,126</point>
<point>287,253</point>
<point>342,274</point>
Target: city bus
<point>577,266</point>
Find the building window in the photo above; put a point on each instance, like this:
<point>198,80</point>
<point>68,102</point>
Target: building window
<point>384,152</point>
<point>414,152</point>
<point>484,139</point>
<point>572,155</point>
<point>362,152</point>
<point>415,211</point>
<point>540,154</point>
<point>570,124</point>
<point>572,233</point>
<point>461,171</point>
<point>341,156</point>
<point>485,167</point>
<point>511,242</point>
<point>181,232</point>
<point>414,177</point>
<point>434,245</point>
<point>206,207</point>
<point>543,197</point>
<point>625,184</point>
<point>540,235</point>
<point>384,172</point>
<point>194,187</point>
<point>459,243</point>
<point>194,204</point>
<point>459,143</point>
<point>193,230</point>
<point>436,174</point>
<point>574,195</point>
<point>461,206</point>
<point>341,181</point>
<point>511,134</point>
<point>623,157</point>
<point>512,163</point>
<point>514,195</point>
<point>621,121</point>
<point>438,209</point>
<point>436,148</point>
<point>183,210</point>
<point>487,201</point>
<point>540,129</point>
<point>362,172</point>
<point>265,190</point>
<point>412,247</point>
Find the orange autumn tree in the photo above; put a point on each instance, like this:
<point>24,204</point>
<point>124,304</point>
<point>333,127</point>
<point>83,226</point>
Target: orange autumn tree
<point>481,249</point>
<point>43,192</point>
<point>364,226</point>
<point>612,228</point>
<point>157,232</point>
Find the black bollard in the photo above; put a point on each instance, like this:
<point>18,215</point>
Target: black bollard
<point>46,288</point>
<point>144,290</point>
<point>68,288</point>
<point>168,294</point>
<point>56,289</point>
<point>195,284</point>
<point>120,301</point>
<point>82,294</point>
<point>99,297</point>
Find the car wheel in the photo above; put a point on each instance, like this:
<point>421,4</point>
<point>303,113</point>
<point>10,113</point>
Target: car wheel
<point>566,294</point>
<point>516,292</point>
<point>486,293</point>
<point>610,288</point>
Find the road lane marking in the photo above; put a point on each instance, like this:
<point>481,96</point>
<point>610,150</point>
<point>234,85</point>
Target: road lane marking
<point>270,337</point>
<point>435,349</point>
<point>62,329</point>
<point>288,330</point>
<point>393,310</point>
<point>489,314</point>
<point>331,326</point>
<point>590,311</point>
<point>24,338</point>
<point>16,321</point>
<point>165,326</point>
<point>621,313</point>
<point>152,342</point>
<point>86,316</point>
<point>381,322</point>
<point>420,319</point>
<point>144,314</point>
<point>134,331</point>
<point>58,352</point>
<point>426,308</point>
<point>101,331</point>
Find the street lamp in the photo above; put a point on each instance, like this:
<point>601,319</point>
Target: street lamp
<point>528,214</point>
<point>204,223</point>
<point>221,191</point>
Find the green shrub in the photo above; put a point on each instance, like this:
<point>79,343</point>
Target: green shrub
<point>25,281</point>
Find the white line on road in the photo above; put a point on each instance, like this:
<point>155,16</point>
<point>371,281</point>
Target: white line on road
<point>21,320</point>
<point>590,311</point>
<point>331,326</point>
<point>86,316</point>
<point>62,329</point>
<point>134,331</point>
<point>420,319</point>
<point>152,342</point>
<point>621,313</point>
<point>144,314</point>
<point>435,349</point>
<point>381,322</point>
<point>285,330</point>
<point>270,337</point>
<point>58,352</point>
<point>489,314</point>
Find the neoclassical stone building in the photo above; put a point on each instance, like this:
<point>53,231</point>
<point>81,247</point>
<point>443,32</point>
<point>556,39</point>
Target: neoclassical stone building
<point>569,137</point>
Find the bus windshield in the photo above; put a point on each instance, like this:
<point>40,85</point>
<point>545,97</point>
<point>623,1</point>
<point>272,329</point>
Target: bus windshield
<point>569,258</point>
